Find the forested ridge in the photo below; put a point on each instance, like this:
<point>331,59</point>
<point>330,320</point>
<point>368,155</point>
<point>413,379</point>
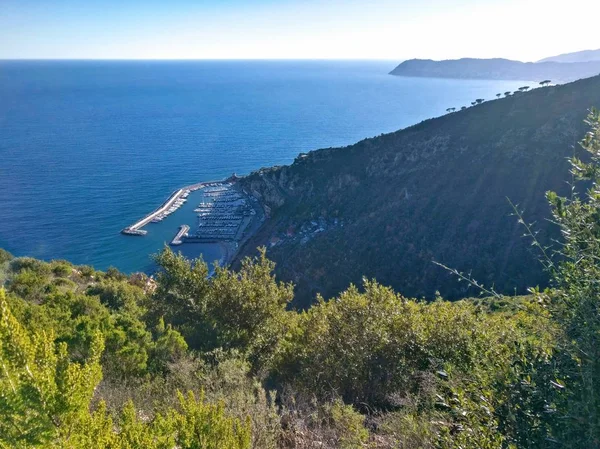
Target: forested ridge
<point>104,360</point>
<point>389,206</point>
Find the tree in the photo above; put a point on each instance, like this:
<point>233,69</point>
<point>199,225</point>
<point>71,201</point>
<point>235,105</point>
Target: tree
<point>575,303</point>
<point>181,294</point>
<point>498,95</point>
<point>450,109</point>
<point>244,311</point>
<point>463,108</point>
<point>506,94</point>
<point>248,309</point>
<point>524,89</point>
<point>545,82</point>
<point>479,100</point>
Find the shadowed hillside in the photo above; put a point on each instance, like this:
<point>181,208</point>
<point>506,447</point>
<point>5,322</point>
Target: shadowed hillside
<point>388,206</point>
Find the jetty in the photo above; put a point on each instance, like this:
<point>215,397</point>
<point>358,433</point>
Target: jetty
<point>183,230</point>
<point>173,202</point>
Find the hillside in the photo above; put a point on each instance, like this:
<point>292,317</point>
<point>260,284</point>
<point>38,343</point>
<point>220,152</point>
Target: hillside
<point>388,206</point>
<point>579,56</point>
<point>102,359</point>
<point>501,69</point>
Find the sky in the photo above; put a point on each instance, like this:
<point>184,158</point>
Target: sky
<point>525,30</point>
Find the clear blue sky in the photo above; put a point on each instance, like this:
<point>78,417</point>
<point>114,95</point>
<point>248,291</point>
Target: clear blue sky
<point>323,29</point>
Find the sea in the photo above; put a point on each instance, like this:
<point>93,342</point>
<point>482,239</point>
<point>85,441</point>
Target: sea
<point>89,147</point>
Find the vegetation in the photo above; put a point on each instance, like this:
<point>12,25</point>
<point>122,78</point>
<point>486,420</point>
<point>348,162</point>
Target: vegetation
<point>388,206</point>
<point>104,360</point>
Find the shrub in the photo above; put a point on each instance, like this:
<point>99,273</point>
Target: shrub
<point>28,263</point>
<point>61,268</point>
<point>5,256</point>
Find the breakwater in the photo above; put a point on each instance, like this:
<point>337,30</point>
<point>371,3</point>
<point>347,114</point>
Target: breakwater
<point>183,230</point>
<point>172,203</point>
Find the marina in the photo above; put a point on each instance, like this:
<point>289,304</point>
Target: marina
<point>224,215</point>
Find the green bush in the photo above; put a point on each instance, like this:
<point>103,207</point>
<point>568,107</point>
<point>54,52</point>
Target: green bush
<point>45,402</point>
<point>5,256</point>
<point>61,268</point>
<point>28,263</point>
<point>245,311</point>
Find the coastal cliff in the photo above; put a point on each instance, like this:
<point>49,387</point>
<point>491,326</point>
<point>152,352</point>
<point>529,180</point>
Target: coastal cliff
<point>387,207</point>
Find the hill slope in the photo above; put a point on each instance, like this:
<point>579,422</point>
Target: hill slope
<point>387,206</point>
<point>504,69</point>
<point>579,56</point>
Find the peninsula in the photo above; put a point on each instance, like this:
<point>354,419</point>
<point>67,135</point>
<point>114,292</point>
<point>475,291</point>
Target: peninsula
<point>497,69</point>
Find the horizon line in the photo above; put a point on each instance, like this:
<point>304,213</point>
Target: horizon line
<point>204,59</point>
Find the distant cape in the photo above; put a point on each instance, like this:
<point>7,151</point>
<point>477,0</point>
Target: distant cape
<point>578,56</point>
<point>497,69</point>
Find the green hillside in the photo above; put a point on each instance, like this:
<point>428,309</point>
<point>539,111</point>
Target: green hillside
<point>387,207</point>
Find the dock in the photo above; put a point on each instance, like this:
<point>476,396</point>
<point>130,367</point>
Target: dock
<point>173,201</point>
<point>129,231</point>
<point>183,230</point>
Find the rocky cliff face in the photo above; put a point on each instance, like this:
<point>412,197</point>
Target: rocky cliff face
<point>387,207</point>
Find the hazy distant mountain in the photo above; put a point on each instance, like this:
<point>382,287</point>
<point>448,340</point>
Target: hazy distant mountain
<point>388,206</point>
<point>504,69</point>
<point>579,56</point>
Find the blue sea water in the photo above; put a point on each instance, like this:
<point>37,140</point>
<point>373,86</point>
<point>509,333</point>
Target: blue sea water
<point>88,147</point>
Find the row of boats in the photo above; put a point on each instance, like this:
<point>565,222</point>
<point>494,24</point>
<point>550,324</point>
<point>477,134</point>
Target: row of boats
<point>220,214</point>
<point>180,201</point>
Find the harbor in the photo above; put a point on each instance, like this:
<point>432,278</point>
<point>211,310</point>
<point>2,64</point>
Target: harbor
<point>219,216</point>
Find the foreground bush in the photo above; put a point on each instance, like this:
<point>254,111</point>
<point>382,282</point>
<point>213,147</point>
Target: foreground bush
<point>45,402</point>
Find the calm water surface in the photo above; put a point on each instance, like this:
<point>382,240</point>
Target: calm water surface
<point>87,148</point>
